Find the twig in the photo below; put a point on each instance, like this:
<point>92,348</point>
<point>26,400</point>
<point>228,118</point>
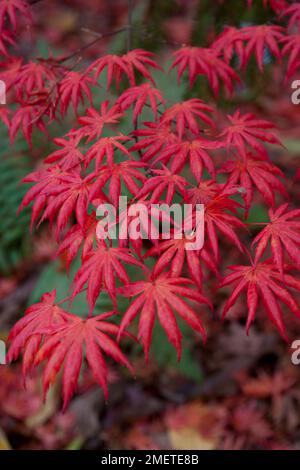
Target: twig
<point>91,43</point>
<point>71,56</point>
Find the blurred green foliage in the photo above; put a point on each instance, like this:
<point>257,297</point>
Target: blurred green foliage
<point>14,229</point>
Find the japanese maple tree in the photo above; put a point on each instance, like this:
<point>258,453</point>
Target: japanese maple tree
<point>189,152</point>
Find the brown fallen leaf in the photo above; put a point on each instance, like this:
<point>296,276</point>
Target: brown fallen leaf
<point>190,439</point>
<point>4,444</point>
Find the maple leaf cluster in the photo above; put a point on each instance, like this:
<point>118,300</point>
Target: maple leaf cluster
<point>185,151</point>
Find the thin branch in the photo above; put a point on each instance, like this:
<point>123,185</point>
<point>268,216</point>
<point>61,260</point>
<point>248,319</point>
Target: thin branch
<point>91,43</point>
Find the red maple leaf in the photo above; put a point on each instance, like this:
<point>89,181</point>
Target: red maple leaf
<point>9,70</point>
<point>139,60</point>
<point>185,116</point>
<point>100,269</point>
<point>255,172</point>
<point>195,151</point>
<point>161,296</point>
<point>219,213</point>
<point>93,123</point>
<point>228,43</point>
<point>44,179</point>
<point>70,195</point>
<point>293,11</point>
<point>163,180</point>
<point>246,129</point>
<point>173,253</point>
<point>262,281</point>
<point>127,171</point>
<point>141,220</point>
<point>26,334</point>
<point>33,77</point>
<point>10,9</point>
<point>204,192</point>
<point>217,217</point>
<point>283,233</point>
<point>6,39</point>
<point>69,156</point>
<point>79,236</point>
<point>155,137</point>
<point>205,61</point>
<point>140,95</point>
<point>73,88</point>
<point>4,115</point>
<point>63,350</point>
<point>260,37</point>
<point>292,49</point>
<point>117,66</point>
<point>106,146</point>
<point>24,119</point>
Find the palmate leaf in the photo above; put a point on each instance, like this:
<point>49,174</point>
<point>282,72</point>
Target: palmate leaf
<point>26,336</point>
<point>74,88</point>
<point>217,217</point>
<point>254,172</point>
<point>24,119</point>
<point>220,213</point>
<point>205,61</point>
<point>195,151</point>
<point>11,10</point>
<point>187,114</point>
<point>293,12</point>
<point>283,234</point>
<point>161,296</point>
<point>91,125</point>
<point>64,346</point>
<point>69,156</point>
<point>106,147</point>
<point>261,281</point>
<point>70,195</point>
<point>6,39</point>
<point>100,269</point>
<point>139,96</point>
<point>79,236</point>
<point>173,253</point>
<point>44,179</point>
<point>136,60</point>
<point>260,37</point>
<point>33,77</point>
<point>162,180</point>
<point>246,130</point>
<point>9,70</point>
<point>228,43</point>
<point>128,172</point>
<point>154,138</point>
<point>291,48</point>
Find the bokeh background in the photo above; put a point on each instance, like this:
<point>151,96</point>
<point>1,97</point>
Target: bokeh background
<point>237,392</point>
